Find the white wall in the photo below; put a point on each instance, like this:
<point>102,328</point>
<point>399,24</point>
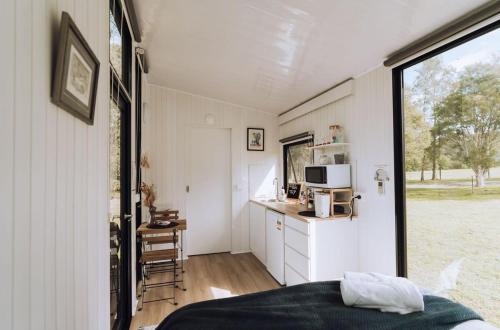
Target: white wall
<point>367,118</point>
<point>167,116</point>
<point>54,248</point>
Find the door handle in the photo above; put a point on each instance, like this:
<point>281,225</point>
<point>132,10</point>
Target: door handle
<point>127,217</point>
<point>187,189</point>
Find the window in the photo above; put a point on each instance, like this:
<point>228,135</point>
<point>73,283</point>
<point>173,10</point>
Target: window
<point>296,155</point>
<point>447,138</point>
<point>120,45</point>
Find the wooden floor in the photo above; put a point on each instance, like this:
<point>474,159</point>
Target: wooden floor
<point>208,277</point>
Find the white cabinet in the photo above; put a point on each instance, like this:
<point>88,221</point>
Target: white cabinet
<point>258,231</point>
<point>275,244</point>
<point>319,250</point>
<point>296,251</point>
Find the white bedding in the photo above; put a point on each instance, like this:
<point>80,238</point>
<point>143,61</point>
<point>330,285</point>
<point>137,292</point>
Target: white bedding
<point>386,293</point>
<point>475,325</point>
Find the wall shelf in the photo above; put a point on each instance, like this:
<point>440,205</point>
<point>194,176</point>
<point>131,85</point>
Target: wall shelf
<point>335,199</point>
<point>329,145</point>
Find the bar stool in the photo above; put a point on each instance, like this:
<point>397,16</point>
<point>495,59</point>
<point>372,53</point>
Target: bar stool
<point>160,261</point>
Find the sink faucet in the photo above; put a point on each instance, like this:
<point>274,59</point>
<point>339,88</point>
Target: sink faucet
<point>275,181</point>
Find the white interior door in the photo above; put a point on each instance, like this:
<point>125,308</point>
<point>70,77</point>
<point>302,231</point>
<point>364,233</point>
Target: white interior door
<point>209,197</point>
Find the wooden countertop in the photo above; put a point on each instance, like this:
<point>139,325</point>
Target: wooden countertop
<point>292,209</point>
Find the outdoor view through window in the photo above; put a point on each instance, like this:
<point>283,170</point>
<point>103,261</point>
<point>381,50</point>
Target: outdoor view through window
<point>298,156</point>
<point>452,159</point>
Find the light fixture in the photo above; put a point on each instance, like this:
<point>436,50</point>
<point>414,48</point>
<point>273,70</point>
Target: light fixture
<point>209,119</point>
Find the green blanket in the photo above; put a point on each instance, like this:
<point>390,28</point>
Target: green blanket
<point>310,306</point>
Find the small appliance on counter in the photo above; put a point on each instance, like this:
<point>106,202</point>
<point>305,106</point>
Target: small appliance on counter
<point>328,176</point>
<point>322,204</point>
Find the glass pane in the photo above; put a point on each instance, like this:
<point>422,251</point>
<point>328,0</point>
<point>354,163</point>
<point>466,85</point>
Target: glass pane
<point>298,157</point>
<point>452,151</point>
<point>114,207</point>
<point>115,46</point>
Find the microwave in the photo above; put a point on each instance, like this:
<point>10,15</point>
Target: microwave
<point>328,176</point>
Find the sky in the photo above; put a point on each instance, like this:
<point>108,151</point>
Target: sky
<point>480,49</point>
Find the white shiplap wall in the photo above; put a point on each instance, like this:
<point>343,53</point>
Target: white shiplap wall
<point>54,250</point>
<point>168,114</point>
<point>367,118</point>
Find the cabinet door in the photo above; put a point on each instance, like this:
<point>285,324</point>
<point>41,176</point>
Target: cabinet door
<point>258,231</point>
<point>275,242</point>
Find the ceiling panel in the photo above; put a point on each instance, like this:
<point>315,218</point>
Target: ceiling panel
<point>272,55</point>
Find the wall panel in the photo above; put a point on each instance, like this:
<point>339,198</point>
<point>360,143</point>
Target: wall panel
<point>169,114</point>
<point>54,249</point>
<point>367,118</point>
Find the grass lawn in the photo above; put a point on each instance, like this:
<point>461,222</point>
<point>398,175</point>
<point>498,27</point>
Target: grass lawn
<point>441,232</point>
<point>450,224</point>
<point>486,193</point>
<point>445,181</point>
<point>465,173</point>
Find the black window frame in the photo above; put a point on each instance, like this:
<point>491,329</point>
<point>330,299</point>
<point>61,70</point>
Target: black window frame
<point>116,10</point>
<point>399,143</point>
<point>286,146</point>
<point>120,91</point>
<point>139,69</point>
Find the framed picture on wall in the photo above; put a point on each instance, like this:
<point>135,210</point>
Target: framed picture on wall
<point>255,139</point>
<point>76,74</point>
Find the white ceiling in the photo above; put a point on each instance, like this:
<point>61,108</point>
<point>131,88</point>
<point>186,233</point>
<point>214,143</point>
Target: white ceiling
<point>272,55</point>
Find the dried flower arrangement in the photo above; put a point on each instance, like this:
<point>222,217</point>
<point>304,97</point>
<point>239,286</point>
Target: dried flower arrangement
<point>149,194</point>
<point>144,161</point>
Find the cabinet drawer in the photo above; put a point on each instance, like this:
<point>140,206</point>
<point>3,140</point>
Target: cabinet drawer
<point>297,240</point>
<point>292,277</point>
<point>301,226</point>
<point>297,261</point>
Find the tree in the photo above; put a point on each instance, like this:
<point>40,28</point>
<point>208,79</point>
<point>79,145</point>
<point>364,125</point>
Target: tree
<point>470,117</point>
<point>432,84</point>
<point>417,136</point>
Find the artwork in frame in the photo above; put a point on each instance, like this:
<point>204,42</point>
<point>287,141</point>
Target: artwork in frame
<point>76,74</point>
<point>255,139</point>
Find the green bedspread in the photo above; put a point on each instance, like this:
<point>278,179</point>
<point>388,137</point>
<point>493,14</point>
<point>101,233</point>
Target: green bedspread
<point>309,306</point>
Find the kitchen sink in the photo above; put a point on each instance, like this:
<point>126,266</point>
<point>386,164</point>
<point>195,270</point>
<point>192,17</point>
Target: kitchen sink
<point>272,200</point>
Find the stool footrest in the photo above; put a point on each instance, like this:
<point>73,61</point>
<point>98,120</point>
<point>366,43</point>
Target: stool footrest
<point>159,255</point>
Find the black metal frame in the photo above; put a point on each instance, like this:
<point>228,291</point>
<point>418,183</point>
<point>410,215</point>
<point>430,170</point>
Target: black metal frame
<point>285,158</point>
<point>120,92</point>
<point>138,151</point>
<point>126,44</point>
<point>125,302</point>
<point>398,122</point>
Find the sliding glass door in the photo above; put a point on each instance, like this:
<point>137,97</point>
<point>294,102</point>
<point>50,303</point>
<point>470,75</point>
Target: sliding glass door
<point>119,213</point>
<point>120,46</point>
<point>447,138</point>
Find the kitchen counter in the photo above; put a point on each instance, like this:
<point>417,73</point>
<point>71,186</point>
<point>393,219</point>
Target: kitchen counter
<point>292,209</point>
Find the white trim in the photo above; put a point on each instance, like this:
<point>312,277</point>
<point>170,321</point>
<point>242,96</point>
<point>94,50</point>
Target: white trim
<point>240,251</point>
<point>309,137</point>
<point>339,92</point>
<point>214,99</point>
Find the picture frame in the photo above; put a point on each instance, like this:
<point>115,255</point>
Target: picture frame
<point>255,139</point>
<point>74,86</point>
<point>294,190</point>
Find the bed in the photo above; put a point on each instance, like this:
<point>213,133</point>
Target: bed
<point>312,306</point>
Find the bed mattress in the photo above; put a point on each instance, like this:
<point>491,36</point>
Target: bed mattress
<point>310,306</point>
